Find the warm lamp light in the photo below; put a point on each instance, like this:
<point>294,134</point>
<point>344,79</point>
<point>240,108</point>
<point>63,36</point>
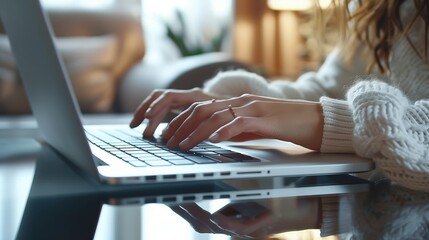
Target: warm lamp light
<point>296,5</point>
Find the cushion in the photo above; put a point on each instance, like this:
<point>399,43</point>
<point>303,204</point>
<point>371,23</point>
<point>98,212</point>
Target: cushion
<point>88,61</point>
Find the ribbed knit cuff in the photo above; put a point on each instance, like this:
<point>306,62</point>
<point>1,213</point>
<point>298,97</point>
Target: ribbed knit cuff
<point>338,126</point>
<point>330,212</point>
<point>335,219</point>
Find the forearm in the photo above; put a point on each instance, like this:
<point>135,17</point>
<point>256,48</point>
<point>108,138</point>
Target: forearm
<point>332,79</point>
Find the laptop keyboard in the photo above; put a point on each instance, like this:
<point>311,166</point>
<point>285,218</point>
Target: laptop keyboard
<point>129,146</point>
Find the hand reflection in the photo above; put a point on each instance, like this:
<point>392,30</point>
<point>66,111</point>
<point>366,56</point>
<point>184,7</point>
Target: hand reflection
<point>254,219</point>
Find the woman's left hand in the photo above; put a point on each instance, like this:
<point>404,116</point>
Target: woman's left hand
<point>300,122</point>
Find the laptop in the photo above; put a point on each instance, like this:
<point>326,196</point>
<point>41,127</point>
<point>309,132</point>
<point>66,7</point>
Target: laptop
<point>53,177</point>
<point>131,159</point>
<point>62,205</point>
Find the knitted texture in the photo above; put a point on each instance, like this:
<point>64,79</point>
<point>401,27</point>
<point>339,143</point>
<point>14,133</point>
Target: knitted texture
<point>392,131</point>
<point>238,82</point>
<point>390,212</point>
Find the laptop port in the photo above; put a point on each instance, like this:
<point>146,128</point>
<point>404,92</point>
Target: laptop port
<point>150,178</point>
<point>207,197</point>
<point>150,200</point>
<point>169,177</point>
<point>255,172</point>
<point>189,175</point>
<point>188,198</point>
<point>169,199</point>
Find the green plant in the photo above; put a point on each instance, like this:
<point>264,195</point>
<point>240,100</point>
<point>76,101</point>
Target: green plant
<point>180,39</point>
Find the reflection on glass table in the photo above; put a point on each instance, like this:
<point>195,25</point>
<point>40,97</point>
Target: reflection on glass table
<point>48,200</point>
<point>386,212</point>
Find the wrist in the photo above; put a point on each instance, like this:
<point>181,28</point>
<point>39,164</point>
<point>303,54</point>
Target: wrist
<point>310,130</point>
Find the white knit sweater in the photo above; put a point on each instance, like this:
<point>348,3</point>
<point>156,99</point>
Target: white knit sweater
<point>382,118</point>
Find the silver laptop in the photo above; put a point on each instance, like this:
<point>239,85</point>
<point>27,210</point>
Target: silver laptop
<point>118,155</point>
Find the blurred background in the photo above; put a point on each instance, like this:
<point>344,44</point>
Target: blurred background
<point>117,51</point>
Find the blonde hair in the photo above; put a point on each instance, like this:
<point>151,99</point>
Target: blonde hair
<point>376,24</point>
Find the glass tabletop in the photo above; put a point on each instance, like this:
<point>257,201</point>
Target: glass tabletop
<point>42,198</point>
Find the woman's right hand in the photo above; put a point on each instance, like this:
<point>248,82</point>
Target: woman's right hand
<point>160,102</point>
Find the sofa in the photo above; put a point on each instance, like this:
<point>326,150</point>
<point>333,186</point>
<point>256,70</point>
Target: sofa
<point>103,51</point>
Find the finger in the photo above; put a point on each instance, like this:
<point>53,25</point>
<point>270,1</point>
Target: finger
<point>203,130</point>
<point>159,109</point>
<point>246,136</point>
<point>196,216</point>
<point>186,123</point>
<point>172,100</point>
<point>234,128</point>
<point>244,122</point>
<point>161,99</point>
<point>168,100</point>
<point>174,124</point>
<point>179,119</point>
<point>139,114</point>
<point>154,122</point>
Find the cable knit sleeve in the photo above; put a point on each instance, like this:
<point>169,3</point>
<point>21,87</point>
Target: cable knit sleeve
<point>388,128</point>
<point>332,79</point>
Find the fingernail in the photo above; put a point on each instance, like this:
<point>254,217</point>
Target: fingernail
<point>147,113</point>
<point>163,136</point>
<point>214,137</point>
<point>164,130</point>
<point>184,143</point>
<point>169,143</point>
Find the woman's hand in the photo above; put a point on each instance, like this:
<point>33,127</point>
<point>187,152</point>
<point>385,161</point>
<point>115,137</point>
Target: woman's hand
<point>157,105</point>
<point>256,219</point>
<point>300,122</point>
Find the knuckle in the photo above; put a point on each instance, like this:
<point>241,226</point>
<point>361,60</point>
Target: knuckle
<point>244,123</point>
<point>193,105</point>
<point>157,92</point>
<point>216,117</point>
<point>227,131</point>
<point>167,93</point>
<point>257,106</point>
<point>247,97</point>
<point>240,120</point>
<point>199,110</point>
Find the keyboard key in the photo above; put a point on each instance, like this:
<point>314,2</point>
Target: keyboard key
<point>138,163</point>
<point>129,159</point>
<point>158,151</point>
<point>130,146</point>
<point>200,160</point>
<point>241,157</point>
<point>142,155</point>
<point>151,159</point>
<point>181,162</point>
<point>201,151</point>
<point>135,151</point>
<point>168,155</point>
<point>220,158</point>
<point>224,151</point>
<point>158,163</point>
<point>121,155</point>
